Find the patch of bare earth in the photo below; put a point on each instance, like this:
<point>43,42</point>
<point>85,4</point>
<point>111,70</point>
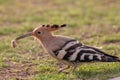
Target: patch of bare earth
<point>17,71</point>
<point>20,70</point>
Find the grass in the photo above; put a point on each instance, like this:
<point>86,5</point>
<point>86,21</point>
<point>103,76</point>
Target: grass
<point>92,22</point>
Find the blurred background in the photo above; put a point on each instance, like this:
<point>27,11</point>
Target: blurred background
<point>93,22</point>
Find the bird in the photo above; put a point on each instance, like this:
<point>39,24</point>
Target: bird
<point>65,49</point>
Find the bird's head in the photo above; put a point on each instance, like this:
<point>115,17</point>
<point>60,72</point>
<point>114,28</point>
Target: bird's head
<point>39,32</point>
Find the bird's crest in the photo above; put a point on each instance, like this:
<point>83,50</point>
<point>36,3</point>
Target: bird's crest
<point>53,27</point>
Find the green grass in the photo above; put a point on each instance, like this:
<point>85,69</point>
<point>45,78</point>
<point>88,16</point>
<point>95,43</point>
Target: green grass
<point>92,22</point>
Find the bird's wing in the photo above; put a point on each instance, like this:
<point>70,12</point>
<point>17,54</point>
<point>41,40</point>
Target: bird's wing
<point>74,51</point>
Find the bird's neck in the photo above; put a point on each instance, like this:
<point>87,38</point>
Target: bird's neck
<point>47,43</point>
<point>51,43</point>
<point>46,40</point>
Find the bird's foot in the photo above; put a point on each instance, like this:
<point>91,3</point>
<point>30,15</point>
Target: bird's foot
<point>63,71</point>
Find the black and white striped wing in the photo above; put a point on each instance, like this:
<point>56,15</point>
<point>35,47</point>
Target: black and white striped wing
<point>74,51</point>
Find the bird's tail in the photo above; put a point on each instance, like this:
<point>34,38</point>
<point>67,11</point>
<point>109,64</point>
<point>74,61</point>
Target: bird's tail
<point>104,57</point>
<point>110,59</point>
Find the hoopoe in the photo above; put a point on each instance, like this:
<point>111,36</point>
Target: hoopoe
<point>66,49</point>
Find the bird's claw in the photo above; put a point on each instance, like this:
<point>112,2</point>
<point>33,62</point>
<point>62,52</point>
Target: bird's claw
<point>63,71</point>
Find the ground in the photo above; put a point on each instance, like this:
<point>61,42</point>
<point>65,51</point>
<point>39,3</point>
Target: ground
<point>92,22</point>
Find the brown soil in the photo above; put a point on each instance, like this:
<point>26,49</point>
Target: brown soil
<point>17,71</point>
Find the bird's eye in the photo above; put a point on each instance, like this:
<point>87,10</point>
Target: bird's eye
<point>39,32</point>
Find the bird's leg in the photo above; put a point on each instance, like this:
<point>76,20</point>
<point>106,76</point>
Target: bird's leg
<point>74,67</point>
<point>62,69</point>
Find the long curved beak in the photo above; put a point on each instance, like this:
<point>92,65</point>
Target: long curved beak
<point>14,42</point>
<point>23,36</point>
